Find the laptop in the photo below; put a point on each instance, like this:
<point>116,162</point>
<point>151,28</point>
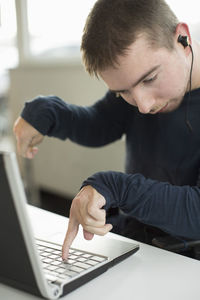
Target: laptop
<point>35,265</point>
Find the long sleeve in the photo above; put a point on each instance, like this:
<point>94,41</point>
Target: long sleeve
<point>174,209</point>
<point>96,125</point>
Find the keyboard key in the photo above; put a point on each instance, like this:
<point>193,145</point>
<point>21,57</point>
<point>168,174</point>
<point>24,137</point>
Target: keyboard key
<point>71,251</point>
<point>51,268</point>
<point>77,253</point>
<point>76,269</point>
<point>70,273</point>
<point>55,263</point>
<point>48,250</point>
<point>45,265</point>
<point>86,255</point>
<point>59,259</point>
<point>60,270</point>
<point>57,252</point>
<point>65,265</point>
<point>92,262</point>
<point>53,256</point>
<point>47,260</point>
<point>44,254</point>
<point>82,265</point>
<point>98,258</point>
<point>40,247</point>
<point>82,259</point>
<point>51,277</point>
<point>71,261</point>
<point>64,276</point>
<point>51,273</point>
<point>72,256</point>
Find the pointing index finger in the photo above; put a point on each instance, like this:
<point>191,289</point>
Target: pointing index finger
<point>70,236</point>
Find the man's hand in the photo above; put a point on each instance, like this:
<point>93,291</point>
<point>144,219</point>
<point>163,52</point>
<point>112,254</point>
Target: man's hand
<point>27,138</point>
<point>86,209</point>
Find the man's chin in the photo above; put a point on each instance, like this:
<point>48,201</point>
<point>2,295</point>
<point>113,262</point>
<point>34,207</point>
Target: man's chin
<point>173,105</point>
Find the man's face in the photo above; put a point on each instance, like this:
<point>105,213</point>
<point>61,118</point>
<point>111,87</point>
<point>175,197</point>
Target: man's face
<point>154,80</point>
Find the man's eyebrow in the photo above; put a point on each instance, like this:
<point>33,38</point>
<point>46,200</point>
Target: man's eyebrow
<point>139,80</point>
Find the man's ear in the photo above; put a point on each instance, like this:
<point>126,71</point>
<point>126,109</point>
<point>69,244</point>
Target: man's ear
<point>182,30</point>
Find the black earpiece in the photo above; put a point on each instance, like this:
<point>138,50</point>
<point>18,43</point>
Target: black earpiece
<point>183,39</point>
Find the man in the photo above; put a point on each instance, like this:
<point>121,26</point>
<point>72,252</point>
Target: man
<point>145,56</point>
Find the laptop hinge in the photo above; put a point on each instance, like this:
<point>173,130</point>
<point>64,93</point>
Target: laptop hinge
<point>56,289</point>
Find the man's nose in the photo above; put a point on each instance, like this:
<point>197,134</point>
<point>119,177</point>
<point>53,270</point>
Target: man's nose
<point>145,103</point>
<point>145,106</point>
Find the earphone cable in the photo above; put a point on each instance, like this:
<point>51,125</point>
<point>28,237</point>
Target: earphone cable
<point>189,93</point>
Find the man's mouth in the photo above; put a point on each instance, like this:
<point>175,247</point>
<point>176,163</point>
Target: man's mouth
<point>162,109</point>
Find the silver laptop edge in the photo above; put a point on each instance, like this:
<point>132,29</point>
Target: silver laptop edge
<point>47,289</point>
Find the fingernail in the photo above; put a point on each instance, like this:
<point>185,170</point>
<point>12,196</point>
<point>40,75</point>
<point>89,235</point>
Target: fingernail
<point>64,258</point>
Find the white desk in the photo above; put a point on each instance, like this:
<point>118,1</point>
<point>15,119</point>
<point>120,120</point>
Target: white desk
<point>151,273</point>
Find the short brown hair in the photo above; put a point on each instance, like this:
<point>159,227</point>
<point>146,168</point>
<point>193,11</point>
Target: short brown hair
<point>113,25</point>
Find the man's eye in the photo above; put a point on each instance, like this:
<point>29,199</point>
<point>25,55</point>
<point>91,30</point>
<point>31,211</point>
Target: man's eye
<point>149,80</point>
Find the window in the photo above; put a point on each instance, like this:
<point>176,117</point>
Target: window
<point>186,11</point>
<point>8,50</point>
<point>51,30</point>
<point>55,26</point>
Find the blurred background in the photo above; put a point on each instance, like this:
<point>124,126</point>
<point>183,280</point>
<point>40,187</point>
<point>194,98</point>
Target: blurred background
<point>39,55</point>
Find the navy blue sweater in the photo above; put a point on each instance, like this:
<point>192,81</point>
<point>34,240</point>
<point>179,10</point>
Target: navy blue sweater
<point>162,155</point>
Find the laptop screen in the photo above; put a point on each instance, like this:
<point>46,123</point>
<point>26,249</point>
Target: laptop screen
<point>15,266</point>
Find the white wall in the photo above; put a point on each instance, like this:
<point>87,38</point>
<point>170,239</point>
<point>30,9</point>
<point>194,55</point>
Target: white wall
<point>62,166</point>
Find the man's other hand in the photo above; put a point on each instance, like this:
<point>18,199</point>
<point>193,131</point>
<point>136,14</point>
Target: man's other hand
<point>86,209</point>
<point>27,138</point>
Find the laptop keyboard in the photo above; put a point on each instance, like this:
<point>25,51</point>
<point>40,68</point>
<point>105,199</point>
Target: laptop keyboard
<point>58,270</point>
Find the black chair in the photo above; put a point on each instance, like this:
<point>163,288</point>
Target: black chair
<point>187,247</point>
